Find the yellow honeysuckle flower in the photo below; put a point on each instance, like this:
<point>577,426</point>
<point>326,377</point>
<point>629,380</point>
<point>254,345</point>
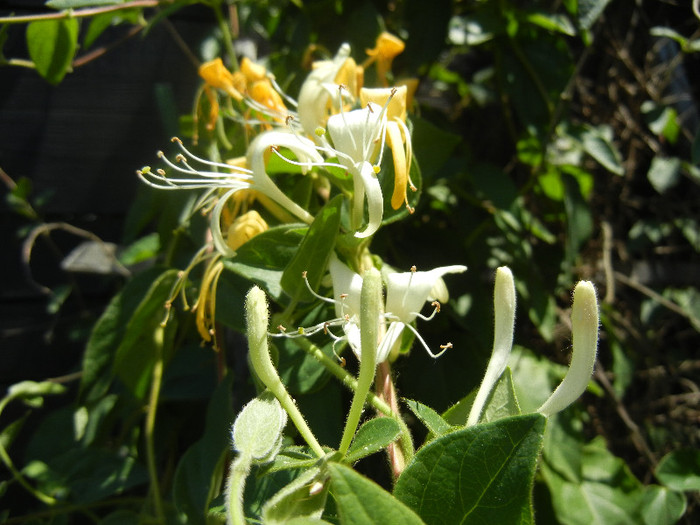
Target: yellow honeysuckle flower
<point>245,228</point>
<point>398,137</point>
<point>387,47</point>
<point>217,76</point>
<point>205,306</point>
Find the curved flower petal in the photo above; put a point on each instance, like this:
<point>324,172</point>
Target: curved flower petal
<point>302,147</point>
<point>375,202</point>
<point>355,133</point>
<point>407,292</point>
<point>347,284</point>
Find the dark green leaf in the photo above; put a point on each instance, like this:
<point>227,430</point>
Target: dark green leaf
<point>363,502</point>
<point>51,45</point>
<point>579,220</point>
<point>144,248</point>
<point>201,468</point>
<point>589,11</point>
<point>296,501</point>
<point>597,142</point>
<point>429,417</point>
<point>108,333</point>
<point>680,470</point>
<point>264,258</point>
<point>313,253</point>
<point>372,437</point>
<point>482,474</point>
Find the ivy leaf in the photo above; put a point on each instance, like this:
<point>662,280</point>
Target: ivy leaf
<point>363,502</point>
<point>481,474</point>
<point>661,506</point>
<point>372,437</point>
<point>52,45</point>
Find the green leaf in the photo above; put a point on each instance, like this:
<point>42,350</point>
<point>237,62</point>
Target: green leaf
<point>552,22</point>
<point>52,45</point>
<point>296,501</point>
<point>429,417</point>
<point>108,333</point>
<point>363,502</point>
<point>579,221</point>
<point>661,506</point>
<point>200,470</point>
<point>680,470</point>
<point>662,120</point>
<point>482,474</point>
<point>664,173</point>
<point>589,11</point>
<point>133,359</point>
<point>264,258</point>
<point>502,402</point>
<point>32,393</point>
<point>143,249</point>
<point>373,436</point>
<point>597,142</point>
<point>313,253</point>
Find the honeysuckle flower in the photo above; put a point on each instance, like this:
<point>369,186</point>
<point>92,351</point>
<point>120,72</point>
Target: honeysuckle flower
<point>398,138</point>
<point>584,332</point>
<point>217,76</point>
<point>504,310</point>
<point>234,178</point>
<point>357,137</point>
<point>387,47</point>
<point>320,96</point>
<point>406,294</point>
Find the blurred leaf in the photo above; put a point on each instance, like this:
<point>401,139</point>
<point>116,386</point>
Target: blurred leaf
<point>363,502</point>
<point>141,250</point>
<point>32,393</point>
<point>661,506</point>
<point>579,220</point>
<point>680,470</point>
<point>313,253</point>
<point>201,468</point>
<point>461,477</point>
<point>52,45</point>
<point>301,372</point>
<point>598,143</point>
<point>662,120</point>
<point>429,417</point>
<point>589,11</point>
<point>552,22</point>
<point>664,173</point>
<point>432,146</point>
<point>18,198</point>
<point>372,437</point>
<point>74,4</point>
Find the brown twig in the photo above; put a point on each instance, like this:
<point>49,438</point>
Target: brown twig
<point>81,13</point>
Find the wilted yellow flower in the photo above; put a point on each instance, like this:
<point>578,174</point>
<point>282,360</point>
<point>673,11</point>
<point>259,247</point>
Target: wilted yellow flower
<point>245,228</point>
<point>217,76</point>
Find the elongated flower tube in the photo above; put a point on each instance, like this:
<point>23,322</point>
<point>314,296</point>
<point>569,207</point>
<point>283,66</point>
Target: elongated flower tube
<point>406,294</point>
<point>584,327</point>
<point>504,309</point>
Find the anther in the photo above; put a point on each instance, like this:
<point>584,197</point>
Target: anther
<point>414,269</point>
<point>376,169</point>
<point>446,346</point>
<point>288,119</point>
<point>303,274</point>
<point>436,305</point>
<point>320,132</point>
<point>342,361</point>
<point>175,139</point>
<point>180,158</point>
<point>281,328</point>
<point>160,171</point>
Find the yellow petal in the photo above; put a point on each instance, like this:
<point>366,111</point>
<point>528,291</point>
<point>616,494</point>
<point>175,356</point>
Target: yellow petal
<point>263,93</point>
<point>252,71</point>
<point>396,96</point>
<point>395,142</point>
<point>217,76</point>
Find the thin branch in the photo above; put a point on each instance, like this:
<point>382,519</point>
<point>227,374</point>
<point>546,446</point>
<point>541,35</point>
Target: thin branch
<point>81,13</point>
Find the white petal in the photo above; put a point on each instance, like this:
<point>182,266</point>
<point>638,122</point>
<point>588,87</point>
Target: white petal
<point>303,148</point>
<point>392,336</point>
<point>314,94</point>
<point>375,201</point>
<point>407,292</point>
<point>354,132</point>
<point>348,283</point>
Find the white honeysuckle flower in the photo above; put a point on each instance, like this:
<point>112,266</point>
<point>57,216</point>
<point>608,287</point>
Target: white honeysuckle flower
<point>357,137</point>
<point>320,92</point>
<point>406,294</point>
<point>584,331</point>
<point>234,178</point>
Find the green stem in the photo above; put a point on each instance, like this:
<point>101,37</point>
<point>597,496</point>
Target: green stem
<point>226,34</point>
<point>370,302</point>
<point>257,321</point>
<point>48,500</point>
<point>350,382</point>
<point>156,381</point>
<point>79,13</point>
<point>234,488</point>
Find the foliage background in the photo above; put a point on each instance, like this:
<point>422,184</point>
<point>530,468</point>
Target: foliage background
<point>559,138</point>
